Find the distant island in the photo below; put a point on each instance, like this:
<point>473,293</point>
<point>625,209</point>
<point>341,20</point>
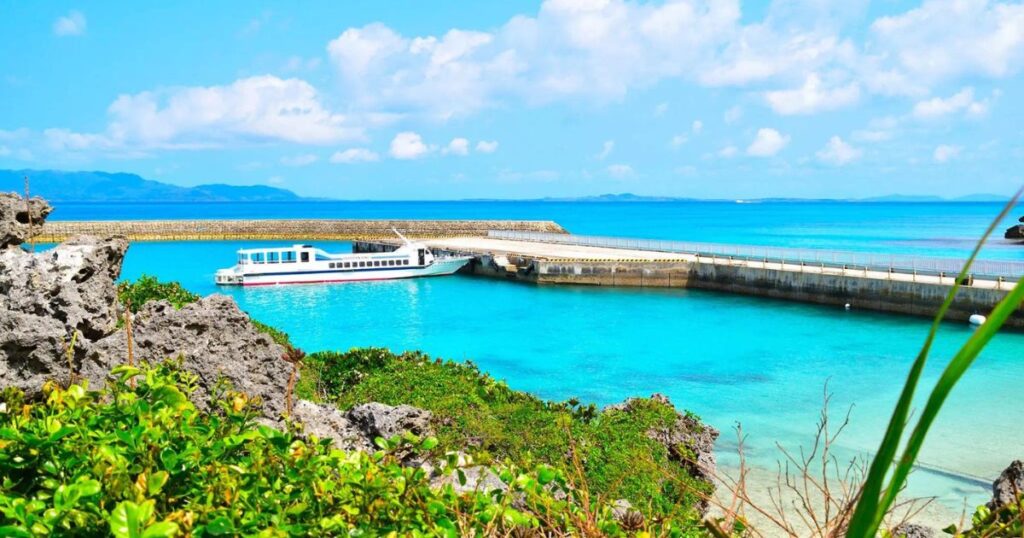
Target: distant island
<point>97,187</point>
<point>121,187</point>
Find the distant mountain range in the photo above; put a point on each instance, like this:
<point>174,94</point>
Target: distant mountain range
<point>61,186</point>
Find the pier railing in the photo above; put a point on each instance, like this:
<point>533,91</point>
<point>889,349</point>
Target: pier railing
<point>994,269</point>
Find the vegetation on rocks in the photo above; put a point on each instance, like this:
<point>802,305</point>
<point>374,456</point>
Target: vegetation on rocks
<point>138,459</point>
<point>610,452</point>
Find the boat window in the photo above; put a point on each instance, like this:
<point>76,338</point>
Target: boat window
<point>362,264</point>
<point>272,257</point>
<point>304,256</point>
<point>376,263</point>
<point>288,256</point>
<point>257,257</point>
<point>405,262</point>
<point>330,266</point>
<point>243,259</point>
<point>391,263</point>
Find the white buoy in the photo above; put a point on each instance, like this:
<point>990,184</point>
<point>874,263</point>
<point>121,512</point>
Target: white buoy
<point>976,319</point>
<point>847,306</point>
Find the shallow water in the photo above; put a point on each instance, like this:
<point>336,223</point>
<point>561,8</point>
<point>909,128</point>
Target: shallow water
<point>729,358</point>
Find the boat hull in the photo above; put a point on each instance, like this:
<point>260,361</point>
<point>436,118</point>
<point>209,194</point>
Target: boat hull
<point>440,267</point>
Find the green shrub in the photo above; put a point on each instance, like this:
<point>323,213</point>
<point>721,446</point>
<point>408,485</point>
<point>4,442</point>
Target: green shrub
<point>276,335</point>
<point>139,460</point>
<point>147,288</point>
<point>483,416</point>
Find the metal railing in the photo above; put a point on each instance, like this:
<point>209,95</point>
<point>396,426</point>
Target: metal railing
<point>1000,270</point>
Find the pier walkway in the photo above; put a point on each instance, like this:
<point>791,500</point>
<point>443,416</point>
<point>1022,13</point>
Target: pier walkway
<point>884,283</point>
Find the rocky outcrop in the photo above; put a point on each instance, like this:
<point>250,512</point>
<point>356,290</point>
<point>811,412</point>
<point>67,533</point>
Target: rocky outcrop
<point>478,478</point>
<point>1016,231</point>
<point>357,428</point>
<point>19,220</point>
<point>51,299</point>
<point>1009,485</point>
<point>913,530</point>
<point>216,342</point>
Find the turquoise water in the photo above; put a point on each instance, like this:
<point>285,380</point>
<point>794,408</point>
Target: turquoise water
<point>729,358</point>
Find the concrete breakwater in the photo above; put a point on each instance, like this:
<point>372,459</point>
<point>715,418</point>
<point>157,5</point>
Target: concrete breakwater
<point>915,293</point>
<point>283,229</point>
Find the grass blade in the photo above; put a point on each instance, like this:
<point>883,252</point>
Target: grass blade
<point>868,514</point>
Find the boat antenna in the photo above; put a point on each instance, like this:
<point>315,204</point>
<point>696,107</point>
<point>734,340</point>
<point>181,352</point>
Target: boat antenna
<point>399,234</point>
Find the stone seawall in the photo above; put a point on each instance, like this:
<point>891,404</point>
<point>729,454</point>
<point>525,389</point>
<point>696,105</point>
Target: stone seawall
<point>861,290</point>
<point>283,229</point>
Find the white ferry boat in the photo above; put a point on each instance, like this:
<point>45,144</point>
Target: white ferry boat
<point>304,264</point>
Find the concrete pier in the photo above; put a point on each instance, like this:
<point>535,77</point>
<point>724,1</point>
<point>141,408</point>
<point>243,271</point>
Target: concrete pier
<point>885,290</point>
<point>283,229</point>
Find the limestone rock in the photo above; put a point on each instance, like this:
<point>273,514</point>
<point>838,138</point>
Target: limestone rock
<point>1015,232</point>
<point>1009,484</point>
<point>327,422</point>
<point>380,420</point>
<point>913,530</point>
<point>479,478</point>
<point>15,216</point>
<point>51,298</point>
<point>215,339</point>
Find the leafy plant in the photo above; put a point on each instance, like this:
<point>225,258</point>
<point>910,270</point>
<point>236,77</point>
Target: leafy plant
<point>141,461</point>
<point>147,288</point>
<point>879,494</point>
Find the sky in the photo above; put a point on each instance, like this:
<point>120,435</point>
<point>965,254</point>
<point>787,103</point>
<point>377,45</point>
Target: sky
<point>425,99</point>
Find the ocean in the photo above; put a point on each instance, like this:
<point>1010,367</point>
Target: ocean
<point>731,359</point>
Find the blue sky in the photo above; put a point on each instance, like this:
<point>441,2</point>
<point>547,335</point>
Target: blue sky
<point>443,100</point>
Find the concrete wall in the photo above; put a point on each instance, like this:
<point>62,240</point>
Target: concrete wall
<point>286,229</point>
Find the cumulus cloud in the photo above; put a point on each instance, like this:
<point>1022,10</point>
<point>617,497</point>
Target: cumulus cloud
<point>299,160</point>
<point>72,24</point>
<point>606,150</point>
<point>621,171</point>
<point>354,155</point>
<point>812,97</point>
<point>838,152</point>
<point>255,109</point>
<point>487,146</point>
<point>767,142</point>
<point>408,145</point>
<point>458,146</point>
<point>943,39</point>
<point>945,152</point>
<point>962,101</point>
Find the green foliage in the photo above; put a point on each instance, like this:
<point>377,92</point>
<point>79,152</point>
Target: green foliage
<point>1006,521</point>
<point>276,335</point>
<point>139,460</point>
<point>483,416</point>
<point>880,490</point>
<point>147,288</point>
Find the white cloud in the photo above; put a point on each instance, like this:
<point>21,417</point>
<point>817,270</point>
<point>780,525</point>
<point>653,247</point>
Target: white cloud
<point>944,39</point>
<point>838,152</point>
<point>767,142</point>
<point>697,126</point>
<point>945,152</point>
<point>812,97</point>
<point>678,140</point>
<point>728,152</point>
<point>606,150</point>
<point>621,171</point>
<point>72,24</point>
<point>408,145</point>
<point>354,155</point>
<point>872,135</point>
<point>733,114</point>
<point>458,146</point>
<point>487,146</point>
<point>299,160</point>
<point>961,101</point>
<point>255,109</point>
